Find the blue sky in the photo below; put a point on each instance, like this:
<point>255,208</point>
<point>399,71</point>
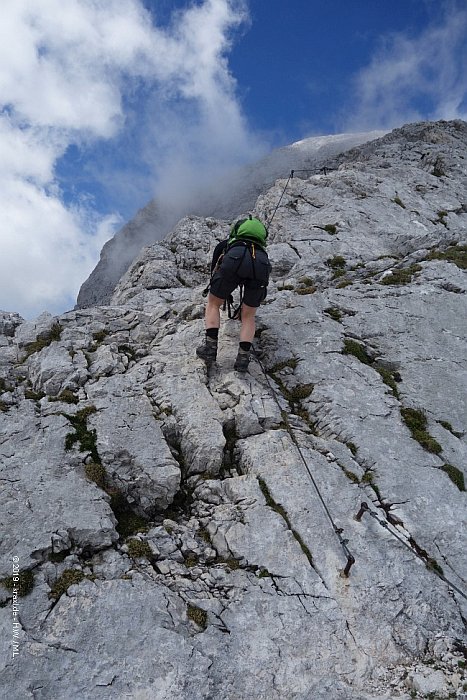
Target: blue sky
<point>107,103</point>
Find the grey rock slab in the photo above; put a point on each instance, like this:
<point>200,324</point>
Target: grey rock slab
<point>9,322</point>
<point>131,445</point>
<point>53,369</point>
<point>177,383</point>
<point>43,493</point>
<point>29,331</point>
<point>108,639</point>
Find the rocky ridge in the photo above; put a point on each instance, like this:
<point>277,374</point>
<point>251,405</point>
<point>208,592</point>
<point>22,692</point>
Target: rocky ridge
<point>171,542</point>
<point>223,199</point>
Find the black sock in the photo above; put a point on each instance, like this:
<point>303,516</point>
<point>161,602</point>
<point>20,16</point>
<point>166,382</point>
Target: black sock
<point>245,346</point>
<point>212,333</point>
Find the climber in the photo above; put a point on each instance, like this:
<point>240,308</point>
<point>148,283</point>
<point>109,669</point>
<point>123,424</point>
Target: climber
<point>240,260</point>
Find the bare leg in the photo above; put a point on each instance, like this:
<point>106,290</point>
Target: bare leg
<point>212,315</point>
<point>247,331</point>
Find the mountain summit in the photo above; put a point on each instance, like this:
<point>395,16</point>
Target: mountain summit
<point>176,534</point>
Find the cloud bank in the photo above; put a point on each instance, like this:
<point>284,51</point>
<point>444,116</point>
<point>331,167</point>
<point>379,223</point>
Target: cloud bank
<point>415,78</point>
<point>68,74</point>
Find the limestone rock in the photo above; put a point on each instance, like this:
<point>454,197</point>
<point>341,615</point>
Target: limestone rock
<point>192,526</point>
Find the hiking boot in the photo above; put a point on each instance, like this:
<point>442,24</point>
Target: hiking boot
<point>208,351</point>
<point>243,358</point>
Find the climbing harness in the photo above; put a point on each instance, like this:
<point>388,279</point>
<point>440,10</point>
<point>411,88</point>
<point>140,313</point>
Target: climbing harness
<point>234,314</point>
<point>337,530</point>
<point>423,556</point>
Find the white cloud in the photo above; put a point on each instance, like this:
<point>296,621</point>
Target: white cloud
<point>66,71</point>
<point>416,78</point>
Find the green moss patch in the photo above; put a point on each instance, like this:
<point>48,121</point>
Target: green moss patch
<point>128,351</point>
<point>456,476</point>
<point>454,254</point>
<point>351,475</point>
<point>447,426</point>
<point>86,438</point>
<point>416,421</point>
<point>402,275</point>
<point>96,472</point>
<point>305,290</point>
<point>358,350</point>
<point>204,535</point>
<point>139,549</point>
<point>58,557</point>
<point>191,560</point>
<point>128,522</point>
<point>33,395</point>
<point>343,284</point>
<point>292,363</point>
<point>67,579</point>
<point>99,336</point>
<point>335,313</point>
<point>24,585</point>
<point>307,286</point>
<point>44,340</point>
<point>198,615</point>
<point>66,396</point>
<point>388,378</point>
<point>336,263</point>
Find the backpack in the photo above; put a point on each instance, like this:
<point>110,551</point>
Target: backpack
<point>251,230</point>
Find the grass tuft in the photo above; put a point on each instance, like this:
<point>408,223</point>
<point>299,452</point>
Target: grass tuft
<point>292,363</point>
<point>454,254</point>
<point>67,579</point>
<point>401,276</point>
<point>352,347</point>
<point>66,396</point>
<point>456,476</point>
<point>336,263</point>
<point>44,340</point>
<point>128,522</point>
<point>23,586</point>
<point>416,421</point>
<point>334,313</point>
<point>95,472</point>
<point>139,549</point>
<point>199,616</point>
<point>85,437</point>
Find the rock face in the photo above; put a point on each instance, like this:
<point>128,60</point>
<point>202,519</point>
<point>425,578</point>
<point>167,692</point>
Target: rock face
<point>222,199</point>
<point>182,535</point>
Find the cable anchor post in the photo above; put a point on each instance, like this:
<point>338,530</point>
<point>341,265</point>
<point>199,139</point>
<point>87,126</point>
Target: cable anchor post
<point>348,566</point>
<point>363,508</point>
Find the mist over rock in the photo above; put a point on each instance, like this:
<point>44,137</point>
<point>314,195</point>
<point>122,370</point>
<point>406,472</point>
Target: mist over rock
<point>182,534</point>
<point>223,198</point>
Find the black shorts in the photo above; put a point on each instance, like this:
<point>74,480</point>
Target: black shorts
<point>238,267</point>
